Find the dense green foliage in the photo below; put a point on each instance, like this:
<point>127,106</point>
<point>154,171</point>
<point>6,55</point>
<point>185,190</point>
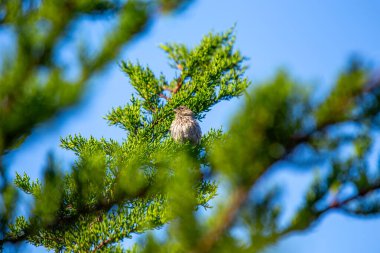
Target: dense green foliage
<point>34,80</point>
<point>118,189</point>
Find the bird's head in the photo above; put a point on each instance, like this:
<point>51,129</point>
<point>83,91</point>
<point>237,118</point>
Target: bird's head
<point>183,111</point>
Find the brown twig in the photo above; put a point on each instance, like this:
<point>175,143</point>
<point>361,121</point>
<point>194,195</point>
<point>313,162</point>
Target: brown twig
<point>295,226</point>
<point>173,91</point>
<point>361,193</point>
<point>164,96</point>
<point>179,85</point>
<point>102,244</point>
<point>238,198</point>
<point>167,88</point>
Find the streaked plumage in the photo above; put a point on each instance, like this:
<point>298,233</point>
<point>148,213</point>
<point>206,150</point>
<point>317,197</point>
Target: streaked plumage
<point>185,127</point>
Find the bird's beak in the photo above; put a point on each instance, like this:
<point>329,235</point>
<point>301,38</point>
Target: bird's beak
<point>175,110</point>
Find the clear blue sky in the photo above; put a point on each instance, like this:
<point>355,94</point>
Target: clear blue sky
<point>312,39</point>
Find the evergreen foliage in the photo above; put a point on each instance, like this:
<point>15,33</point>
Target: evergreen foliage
<point>34,85</point>
<point>118,189</point>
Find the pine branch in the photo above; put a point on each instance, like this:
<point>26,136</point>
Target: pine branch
<point>175,89</point>
<point>179,85</point>
<point>298,227</point>
<point>240,194</point>
<point>239,197</point>
<point>164,97</point>
<point>103,244</point>
<point>362,193</point>
<point>65,221</point>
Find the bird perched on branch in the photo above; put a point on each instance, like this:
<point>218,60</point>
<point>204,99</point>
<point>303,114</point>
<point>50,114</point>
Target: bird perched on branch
<point>185,127</point>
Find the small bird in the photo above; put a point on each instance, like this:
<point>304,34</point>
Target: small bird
<point>185,127</point>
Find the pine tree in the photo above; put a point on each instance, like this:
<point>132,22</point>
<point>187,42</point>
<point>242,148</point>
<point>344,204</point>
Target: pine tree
<point>34,86</point>
<point>118,189</point>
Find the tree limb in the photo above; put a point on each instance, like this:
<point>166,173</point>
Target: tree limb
<point>240,194</point>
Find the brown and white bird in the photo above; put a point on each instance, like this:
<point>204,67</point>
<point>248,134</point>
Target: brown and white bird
<point>185,127</point>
